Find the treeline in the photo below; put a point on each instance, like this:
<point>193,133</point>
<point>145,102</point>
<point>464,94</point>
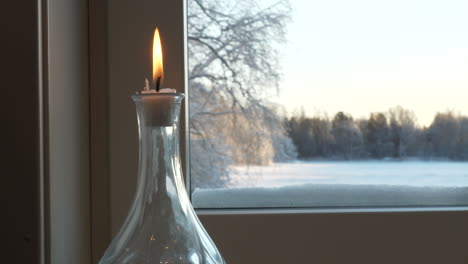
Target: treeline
<point>393,134</point>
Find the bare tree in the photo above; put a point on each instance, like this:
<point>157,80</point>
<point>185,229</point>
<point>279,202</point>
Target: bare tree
<point>381,136</point>
<point>347,136</point>
<point>463,139</point>
<point>445,134</point>
<point>233,70</point>
<point>377,136</point>
<point>311,135</point>
<point>402,131</point>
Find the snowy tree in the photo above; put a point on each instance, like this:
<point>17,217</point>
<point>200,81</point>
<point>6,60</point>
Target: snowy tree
<point>403,132</point>
<point>377,136</point>
<point>300,129</point>
<point>311,135</point>
<point>448,136</point>
<point>392,134</point>
<point>348,140</point>
<point>462,146</point>
<point>444,134</point>
<point>233,69</point>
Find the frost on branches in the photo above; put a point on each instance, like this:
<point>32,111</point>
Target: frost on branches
<point>233,70</point>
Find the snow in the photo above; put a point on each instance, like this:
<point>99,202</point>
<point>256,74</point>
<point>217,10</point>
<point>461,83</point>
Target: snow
<point>341,183</point>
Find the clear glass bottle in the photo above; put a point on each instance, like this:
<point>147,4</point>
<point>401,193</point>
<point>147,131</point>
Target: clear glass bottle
<point>161,227</point>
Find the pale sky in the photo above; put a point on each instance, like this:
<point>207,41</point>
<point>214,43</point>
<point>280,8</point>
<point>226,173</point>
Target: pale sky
<point>362,56</point>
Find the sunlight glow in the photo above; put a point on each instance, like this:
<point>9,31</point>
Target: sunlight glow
<point>367,56</point>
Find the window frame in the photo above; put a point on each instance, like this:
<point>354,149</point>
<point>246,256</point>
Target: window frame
<point>406,235</point>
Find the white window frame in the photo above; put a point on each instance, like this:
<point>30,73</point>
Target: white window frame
<point>386,235</point>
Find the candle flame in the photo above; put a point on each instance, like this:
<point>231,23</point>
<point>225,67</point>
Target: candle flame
<point>157,60</point>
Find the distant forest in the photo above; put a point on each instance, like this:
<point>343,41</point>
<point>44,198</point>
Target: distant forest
<point>393,134</point>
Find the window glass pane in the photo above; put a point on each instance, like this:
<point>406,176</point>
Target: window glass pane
<point>328,103</point>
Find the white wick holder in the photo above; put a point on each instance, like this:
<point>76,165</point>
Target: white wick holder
<point>158,108</point>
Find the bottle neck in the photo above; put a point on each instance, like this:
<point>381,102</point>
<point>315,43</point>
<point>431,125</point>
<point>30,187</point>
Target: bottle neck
<point>158,159</point>
<point>159,162</point>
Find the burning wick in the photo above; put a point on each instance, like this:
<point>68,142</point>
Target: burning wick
<point>148,90</point>
<point>158,83</point>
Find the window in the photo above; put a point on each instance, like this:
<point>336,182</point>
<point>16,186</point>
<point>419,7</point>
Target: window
<point>246,236</point>
<point>328,104</point>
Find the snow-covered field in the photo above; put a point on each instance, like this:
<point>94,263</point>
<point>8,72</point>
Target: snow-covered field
<point>410,173</point>
<point>342,183</point>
